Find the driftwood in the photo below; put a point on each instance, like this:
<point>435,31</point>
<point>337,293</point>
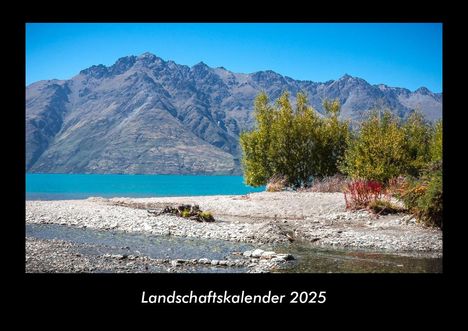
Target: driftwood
<point>192,212</point>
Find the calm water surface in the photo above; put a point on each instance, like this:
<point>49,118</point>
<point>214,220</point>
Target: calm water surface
<point>72,186</point>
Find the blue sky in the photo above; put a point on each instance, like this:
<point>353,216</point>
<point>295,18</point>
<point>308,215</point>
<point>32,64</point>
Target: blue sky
<point>405,55</point>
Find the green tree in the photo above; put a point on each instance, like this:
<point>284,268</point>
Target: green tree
<point>306,129</point>
<point>293,143</point>
<point>377,151</point>
<point>417,143</point>
<point>333,136</point>
<point>424,197</point>
<point>256,144</point>
<point>435,148</point>
<point>281,151</point>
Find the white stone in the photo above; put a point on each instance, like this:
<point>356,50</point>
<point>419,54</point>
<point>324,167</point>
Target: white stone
<point>277,259</point>
<point>257,253</point>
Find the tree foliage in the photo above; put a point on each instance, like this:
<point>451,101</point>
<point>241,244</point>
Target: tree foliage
<point>294,143</point>
<point>418,135</point>
<point>385,148</point>
<point>377,151</point>
<point>256,144</point>
<point>435,148</point>
<point>424,196</point>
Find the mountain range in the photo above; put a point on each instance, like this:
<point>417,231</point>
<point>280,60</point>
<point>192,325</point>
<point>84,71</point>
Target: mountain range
<point>144,115</point>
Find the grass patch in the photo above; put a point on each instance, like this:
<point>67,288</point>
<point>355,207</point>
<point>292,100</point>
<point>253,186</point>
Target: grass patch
<point>385,207</point>
<point>331,184</point>
<point>276,184</point>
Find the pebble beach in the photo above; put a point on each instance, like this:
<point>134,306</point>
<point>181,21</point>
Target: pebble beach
<point>319,219</point>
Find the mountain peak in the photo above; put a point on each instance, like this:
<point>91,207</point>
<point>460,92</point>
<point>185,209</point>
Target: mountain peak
<point>125,59</point>
<point>148,58</point>
<point>147,55</point>
<point>423,90</point>
<point>96,71</point>
<point>122,65</point>
<point>354,81</point>
<point>266,75</point>
<point>346,77</point>
<point>200,64</point>
<point>201,68</point>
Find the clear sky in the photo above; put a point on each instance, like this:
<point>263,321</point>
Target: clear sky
<point>404,55</point>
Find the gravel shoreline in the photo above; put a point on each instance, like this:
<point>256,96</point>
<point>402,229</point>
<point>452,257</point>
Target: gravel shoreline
<point>262,218</point>
<point>58,256</point>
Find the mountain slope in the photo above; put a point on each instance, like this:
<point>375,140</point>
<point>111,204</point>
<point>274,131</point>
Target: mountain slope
<point>147,115</point>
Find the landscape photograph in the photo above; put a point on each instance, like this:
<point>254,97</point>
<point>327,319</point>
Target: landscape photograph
<point>233,148</point>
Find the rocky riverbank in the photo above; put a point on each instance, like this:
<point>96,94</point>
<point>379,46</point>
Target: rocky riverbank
<point>58,256</point>
<point>263,218</point>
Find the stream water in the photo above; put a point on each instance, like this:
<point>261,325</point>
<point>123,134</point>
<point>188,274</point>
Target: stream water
<point>309,259</point>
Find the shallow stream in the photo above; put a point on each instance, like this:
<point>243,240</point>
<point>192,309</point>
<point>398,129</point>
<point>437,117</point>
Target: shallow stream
<point>309,259</point>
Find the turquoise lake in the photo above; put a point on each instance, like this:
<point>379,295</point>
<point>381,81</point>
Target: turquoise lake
<point>74,186</point>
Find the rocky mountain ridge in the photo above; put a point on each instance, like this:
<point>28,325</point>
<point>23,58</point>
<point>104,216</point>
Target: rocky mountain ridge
<point>146,115</point>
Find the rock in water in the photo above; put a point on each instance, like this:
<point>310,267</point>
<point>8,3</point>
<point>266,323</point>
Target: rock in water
<point>257,253</point>
<point>247,253</point>
<point>204,261</point>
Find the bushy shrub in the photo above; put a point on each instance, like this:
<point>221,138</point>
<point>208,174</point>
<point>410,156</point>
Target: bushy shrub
<point>332,140</point>
<point>360,193</point>
<point>436,143</point>
<point>293,143</point>
<point>385,148</point>
<point>371,195</point>
<point>418,134</point>
<point>377,152</point>
<point>256,144</point>
<point>424,196</point>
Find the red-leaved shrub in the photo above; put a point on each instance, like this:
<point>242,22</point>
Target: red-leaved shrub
<point>360,193</point>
